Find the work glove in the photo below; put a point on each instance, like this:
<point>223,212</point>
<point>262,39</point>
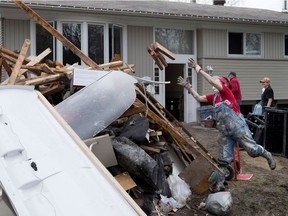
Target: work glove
<point>192,63</point>
<point>181,81</point>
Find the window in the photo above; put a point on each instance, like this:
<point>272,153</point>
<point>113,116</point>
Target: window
<point>286,45</point>
<point>176,40</point>
<point>115,43</point>
<point>244,43</point>
<point>189,75</point>
<point>101,42</point>
<point>156,78</point>
<point>96,43</point>
<point>285,5</point>
<point>44,40</point>
<point>72,31</point>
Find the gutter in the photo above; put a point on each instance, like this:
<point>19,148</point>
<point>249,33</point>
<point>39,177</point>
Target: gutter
<point>126,12</point>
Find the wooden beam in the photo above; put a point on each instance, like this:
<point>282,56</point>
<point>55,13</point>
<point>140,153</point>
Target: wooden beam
<point>9,58</point>
<point>35,59</point>
<point>47,69</point>
<point>125,181</point>
<point>56,34</point>
<point>43,80</point>
<point>12,54</point>
<point>19,62</point>
<point>112,64</point>
<point>6,67</point>
<point>155,57</point>
<point>150,149</point>
<point>158,47</point>
<point>1,60</point>
<point>161,58</point>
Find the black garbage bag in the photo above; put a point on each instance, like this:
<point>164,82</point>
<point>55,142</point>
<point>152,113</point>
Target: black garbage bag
<point>135,129</point>
<point>137,162</point>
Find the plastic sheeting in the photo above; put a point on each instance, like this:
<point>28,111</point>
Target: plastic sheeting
<point>96,106</point>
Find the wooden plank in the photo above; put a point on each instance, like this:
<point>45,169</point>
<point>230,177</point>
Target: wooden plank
<point>158,47</point>
<point>6,67</point>
<point>150,149</point>
<point>56,34</point>
<point>47,69</point>
<point>161,58</point>
<point>9,58</point>
<point>134,110</point>
<point>155,57</point>
<point>51,89</point>
<point>125,181</point>
<point>155,133</point>
<point>19,62</point>
<point>33,60</point>
<point>201,170</point>
<point>43,79</point>
<point>1,60</point>
<point>12,54</point>
<point>111,64</point>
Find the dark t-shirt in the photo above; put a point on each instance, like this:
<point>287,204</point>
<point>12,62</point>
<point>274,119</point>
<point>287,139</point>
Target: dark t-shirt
<point>268,93</point>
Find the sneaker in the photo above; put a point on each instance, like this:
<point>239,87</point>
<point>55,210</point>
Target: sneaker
<point>271,161</point>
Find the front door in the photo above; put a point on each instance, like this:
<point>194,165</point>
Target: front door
<point>177,100</point>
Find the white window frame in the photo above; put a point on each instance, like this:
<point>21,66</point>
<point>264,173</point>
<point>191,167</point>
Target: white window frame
<point>284,54</point>
<point>58,52</point>
<point>244,45</point>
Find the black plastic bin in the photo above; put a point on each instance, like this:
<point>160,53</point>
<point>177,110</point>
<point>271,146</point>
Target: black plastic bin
<point>275,130</point>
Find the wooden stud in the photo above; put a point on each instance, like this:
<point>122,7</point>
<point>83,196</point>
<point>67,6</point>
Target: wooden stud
<point>155,57</point>
<point>19,62</point>
<point>158,47</point>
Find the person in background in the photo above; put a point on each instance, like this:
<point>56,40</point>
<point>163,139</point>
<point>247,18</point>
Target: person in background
<point>235,87</point>
<point>230,122</point>
<point>267,97</point>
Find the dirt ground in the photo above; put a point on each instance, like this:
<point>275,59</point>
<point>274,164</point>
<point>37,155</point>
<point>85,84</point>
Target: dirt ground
<point>265,194</point>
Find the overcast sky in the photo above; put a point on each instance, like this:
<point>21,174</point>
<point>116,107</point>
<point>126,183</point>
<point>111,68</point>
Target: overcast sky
<point>276,5</point>
<point>263,4</point>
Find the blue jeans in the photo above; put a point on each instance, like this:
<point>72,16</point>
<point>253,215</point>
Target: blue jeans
<point>233,128</point>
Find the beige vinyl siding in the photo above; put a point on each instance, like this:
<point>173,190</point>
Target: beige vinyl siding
<point>273,45</point>
<point>249,73</point>
<point>138,40</point>
<point>1,32</point>
<point>15,33</point>
<point>213,42</point>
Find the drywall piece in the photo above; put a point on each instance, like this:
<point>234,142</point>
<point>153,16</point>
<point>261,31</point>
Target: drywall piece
<point>53,163</point>
<point>102,148</point>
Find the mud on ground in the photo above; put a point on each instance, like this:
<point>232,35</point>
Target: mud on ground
<point>265,194</point>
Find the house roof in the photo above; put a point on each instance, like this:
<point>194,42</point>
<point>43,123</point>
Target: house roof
<point>165,9</point>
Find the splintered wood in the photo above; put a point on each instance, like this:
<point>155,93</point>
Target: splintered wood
<point>46,75</point>
<point>157,51</point>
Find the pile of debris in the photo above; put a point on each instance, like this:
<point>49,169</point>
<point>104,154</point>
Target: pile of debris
<point>48,77</point>
<point>139,147</point>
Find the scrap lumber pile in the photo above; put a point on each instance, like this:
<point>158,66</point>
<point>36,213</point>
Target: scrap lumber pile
<point>46,75</point>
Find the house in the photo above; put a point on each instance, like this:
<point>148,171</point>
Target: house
<point>251,42</point>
